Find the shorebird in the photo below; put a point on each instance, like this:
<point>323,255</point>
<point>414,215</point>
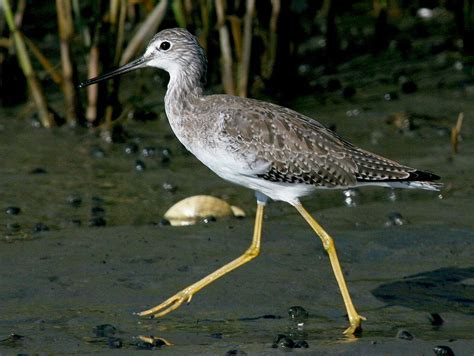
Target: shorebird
<point>275,151</point>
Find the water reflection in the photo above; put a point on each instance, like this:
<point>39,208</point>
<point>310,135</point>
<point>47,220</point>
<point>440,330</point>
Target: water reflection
<point>435,291</point>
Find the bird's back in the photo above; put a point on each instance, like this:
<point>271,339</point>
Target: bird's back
<point>280,145</point>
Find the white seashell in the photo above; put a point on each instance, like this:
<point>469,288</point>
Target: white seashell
<point>190,210</point>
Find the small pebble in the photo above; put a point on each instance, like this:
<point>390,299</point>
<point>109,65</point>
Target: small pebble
<point>131,148</point>
<point>390,96</point>
<point>13,227</point>
<point>97,222</point>
<point>436,319</point>
<point>283,342</point>
<point>209,219</point>
<point>404,335</point>
<point>140,165</point>
<point>97,152</point>
<point>348,92</point>
<point>74,200</point>
<point>148,151</point>
<point>12,210</point>
<point>409,87</point>
<point>11,339</point>
<point>169,187</point>
<point>395,219</point>
<point>114,342</point>
<point>301,344</point>
<point>297,313</point>
<point>97,211</point>
<point>104,330</point>
<point>164,222</point>
<point>40,227</point>
<point>165,155</point>
<point>38,170</point>
<point>442,350</point>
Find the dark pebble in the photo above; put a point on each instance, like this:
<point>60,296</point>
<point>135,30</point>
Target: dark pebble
<point>97,152</point>
<point>118,135</point>
<point>74,200</point>
<point>166,152</point>
<point>97,211</point>
<point>348,92</point>
<point>442,350</point>
<point>97,222</point>
<point>104,330</point>
<point>13,210</point>
<point>301,344</point>
<point>169,187</point>
<point>12,338</point>
<point>148,151</point>
<point>436,319</point>
<point>333,85</point>
<point>409,87</point>
<point>131,148</point>
<point>395,219</point>
<point>235,352</point>
<point>97,201</point>
<point>283,342</point>
<point>209,219</point>
<point>140,165</point>
<point>13,227</point>
<point>38,170</point>
<point>142,345</point>
<point>297,313</point>
<point>164,222</point>
<point>165,155</point>
<point>404,335</point>
<point>390,96</point>
<point>114,342</point>
<point>40,227</point>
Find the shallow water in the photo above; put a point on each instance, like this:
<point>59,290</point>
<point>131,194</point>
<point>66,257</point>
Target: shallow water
<point>57,285</point>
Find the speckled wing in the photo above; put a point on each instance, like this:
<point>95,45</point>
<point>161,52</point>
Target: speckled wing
<point>298,149</point>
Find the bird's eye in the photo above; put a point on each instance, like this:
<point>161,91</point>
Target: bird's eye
<point>165,45</point>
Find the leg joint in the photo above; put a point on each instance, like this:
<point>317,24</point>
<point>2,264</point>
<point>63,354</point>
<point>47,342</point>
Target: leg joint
<point>252,252</point>
<point>328,243</point>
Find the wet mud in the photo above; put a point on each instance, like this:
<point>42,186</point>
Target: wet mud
<point>83,244</point>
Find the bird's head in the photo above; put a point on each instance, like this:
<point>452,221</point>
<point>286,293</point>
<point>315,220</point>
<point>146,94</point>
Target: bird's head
<point>175,50</point>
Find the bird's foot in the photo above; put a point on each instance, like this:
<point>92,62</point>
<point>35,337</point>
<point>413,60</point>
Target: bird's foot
<point>168,305</point>
<point>356,325</point>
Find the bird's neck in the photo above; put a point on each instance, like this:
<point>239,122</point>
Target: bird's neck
<point>184,88</point>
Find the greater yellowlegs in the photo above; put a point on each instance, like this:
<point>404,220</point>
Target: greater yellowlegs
<point>277,152</point>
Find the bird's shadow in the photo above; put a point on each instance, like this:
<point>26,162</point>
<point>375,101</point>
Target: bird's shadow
<point>437,291</point>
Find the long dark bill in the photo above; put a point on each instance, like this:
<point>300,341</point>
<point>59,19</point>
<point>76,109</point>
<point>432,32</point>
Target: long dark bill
<point>137,63</point>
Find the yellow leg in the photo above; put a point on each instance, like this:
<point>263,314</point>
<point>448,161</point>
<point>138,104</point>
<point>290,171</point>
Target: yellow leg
<point>187,293</point>
<point>354,318</point>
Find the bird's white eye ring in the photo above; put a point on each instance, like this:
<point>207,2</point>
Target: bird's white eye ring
<point>165,45</point>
